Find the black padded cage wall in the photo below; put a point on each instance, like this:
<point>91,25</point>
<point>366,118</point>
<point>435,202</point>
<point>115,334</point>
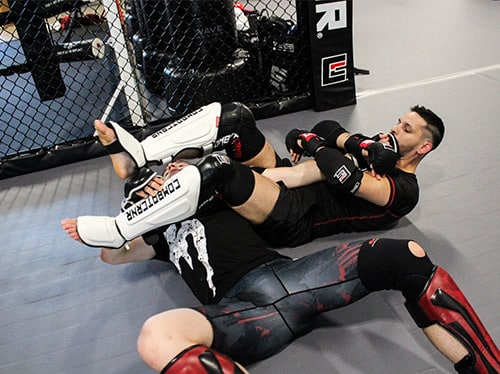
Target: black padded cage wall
<point>194,52</point>
<point>142,63</point>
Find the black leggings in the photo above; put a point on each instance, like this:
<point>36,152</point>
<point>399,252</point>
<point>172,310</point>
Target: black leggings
<point>278,301</point>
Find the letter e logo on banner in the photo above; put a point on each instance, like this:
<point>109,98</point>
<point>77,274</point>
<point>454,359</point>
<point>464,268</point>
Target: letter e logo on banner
<point>334,16</point>
<point>333,69</point>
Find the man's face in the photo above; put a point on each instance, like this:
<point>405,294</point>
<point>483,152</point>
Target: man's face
<point>173,168</point>
<point>411,134</point>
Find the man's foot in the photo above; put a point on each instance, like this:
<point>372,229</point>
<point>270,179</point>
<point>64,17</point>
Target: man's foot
<point>123,164</point>
<point>70,226</point>
<point>106,134</point>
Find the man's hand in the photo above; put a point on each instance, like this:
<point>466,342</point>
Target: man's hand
<point>301,142</point>
<point>292,141</point>
<point>143,184</point>
<point>292,145</point>
<point>311,143</point>
<point>381,157</point>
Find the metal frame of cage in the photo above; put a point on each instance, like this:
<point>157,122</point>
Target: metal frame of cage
<point>138,98</point>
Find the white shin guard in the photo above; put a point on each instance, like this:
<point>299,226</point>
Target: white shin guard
<point>99,231</point>
<point>195,131</point>
<point>177,201</point>
<point>130,144</point>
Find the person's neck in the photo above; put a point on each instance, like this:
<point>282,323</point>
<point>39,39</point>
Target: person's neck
<point>408,165</point>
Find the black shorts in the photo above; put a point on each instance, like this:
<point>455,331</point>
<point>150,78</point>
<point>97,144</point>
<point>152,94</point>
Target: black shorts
<point>309,212</point>
<point>278,301</point>
<point>291,221</point>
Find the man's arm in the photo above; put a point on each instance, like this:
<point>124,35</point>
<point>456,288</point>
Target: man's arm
<point>342,173</point>
<point>302,174</point>
<point>138,251</point>
<point>341,139</point>
<point>374,189</point>
<point>381,158</point>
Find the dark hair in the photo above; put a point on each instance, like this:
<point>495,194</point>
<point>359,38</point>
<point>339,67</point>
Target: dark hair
<point>435,124</point>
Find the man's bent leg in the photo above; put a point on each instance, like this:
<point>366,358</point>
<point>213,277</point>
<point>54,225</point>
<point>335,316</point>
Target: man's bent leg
<point>261,202</point>
<point>176,341</point>
<point>442,303</point>
<point>190,136</point>
<point>283,298</point>
<point>433,299</point>
<point>230,127</point>
<point>178,200</point>
<point>241,139</point>
<point>180,197</point>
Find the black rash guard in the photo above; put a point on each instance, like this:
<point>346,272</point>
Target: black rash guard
<point>305,213</point>
<point>198,247</point>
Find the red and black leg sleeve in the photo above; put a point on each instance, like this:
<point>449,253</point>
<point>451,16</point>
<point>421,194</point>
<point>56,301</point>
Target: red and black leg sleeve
<point>443,302</point>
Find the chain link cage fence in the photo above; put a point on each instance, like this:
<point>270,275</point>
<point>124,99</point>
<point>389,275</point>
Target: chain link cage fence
<point>141,63</point>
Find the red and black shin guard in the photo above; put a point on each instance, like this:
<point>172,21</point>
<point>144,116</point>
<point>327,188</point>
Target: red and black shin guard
<point>442,302</point>
<point>199,359</point>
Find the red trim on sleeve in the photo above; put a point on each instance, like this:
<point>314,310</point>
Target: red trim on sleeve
<point>392,196</point>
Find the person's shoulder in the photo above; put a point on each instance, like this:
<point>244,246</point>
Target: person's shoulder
<point>403,174</point>
<point>406,184</point>
<point>404,180</point>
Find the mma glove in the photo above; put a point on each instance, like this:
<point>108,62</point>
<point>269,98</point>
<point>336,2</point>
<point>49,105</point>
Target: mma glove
<point>134,184</point>
<point>309,141</point>
<point>382,157</point>
<point>291,141</point>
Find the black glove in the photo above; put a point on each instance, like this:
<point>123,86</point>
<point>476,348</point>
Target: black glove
<point>382,157</point>
<point>356,143</point>
<point>291,140</point>
<point>309,141</point>
<point>136,183</point>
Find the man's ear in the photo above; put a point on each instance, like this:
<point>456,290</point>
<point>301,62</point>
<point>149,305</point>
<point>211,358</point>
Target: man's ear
<point>425,148</point>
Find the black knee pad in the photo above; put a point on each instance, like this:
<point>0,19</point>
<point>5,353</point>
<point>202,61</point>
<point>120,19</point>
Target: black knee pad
<point>215,170</point>
<point>240,186</point>
<point>238,133</point>
<point>388,264</point>
<point>230,178</point>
